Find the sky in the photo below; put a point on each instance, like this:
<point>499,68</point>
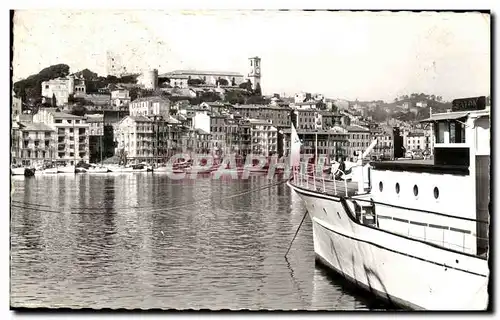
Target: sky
<point>344,55</point>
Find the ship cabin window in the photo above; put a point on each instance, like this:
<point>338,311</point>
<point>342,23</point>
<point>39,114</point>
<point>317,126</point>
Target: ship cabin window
<point>415,190</point>
<point>451,131</point>
<point>397,187</point>
<point>436,192</point>
<point>380,186</point>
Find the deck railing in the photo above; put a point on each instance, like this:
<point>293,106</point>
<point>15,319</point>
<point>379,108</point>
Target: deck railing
<point>306,177</point>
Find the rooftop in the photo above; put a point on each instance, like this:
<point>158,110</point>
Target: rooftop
<point>319,131</point>
<point>139,118</point>
<point>306,102</point>
<point>95,117</point>
<point>35,126</point>
<point>65,115</point>
<point>248,106</point>
<point>447,116</point>
<point>200,131</point>
<point>151,99</point>
<point>200,72</point>
<point>356,128</point>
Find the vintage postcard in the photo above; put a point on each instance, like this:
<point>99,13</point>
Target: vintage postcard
<point>250,160</point>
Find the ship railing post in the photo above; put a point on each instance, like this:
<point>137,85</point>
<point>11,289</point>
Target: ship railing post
<point>334,186</point>
<point>314,178</point>
<point>323,178</point>
<point>345,186</point>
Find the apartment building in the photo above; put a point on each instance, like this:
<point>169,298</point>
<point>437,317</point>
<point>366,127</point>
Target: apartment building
<point>72,132</point>
<point>218,131</point>
<point>385,142</point>
<point>134,135</point>
<point>359,140</point>
<point>96,133</point>
<point>330,143</point>
<point>307,119</point>
<point>120,98</point>
<point>198,141</point>
<point>150,106</point>
<point>32,144</point>
<point>264,137</point>
<point>414,141</point>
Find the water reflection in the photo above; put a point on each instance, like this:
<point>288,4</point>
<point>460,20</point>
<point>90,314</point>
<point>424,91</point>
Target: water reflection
<point>136,240</point>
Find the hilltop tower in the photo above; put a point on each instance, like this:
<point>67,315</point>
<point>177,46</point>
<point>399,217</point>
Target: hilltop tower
<point>114,66</point>
<point>149,79</point>
<point>254,72</point>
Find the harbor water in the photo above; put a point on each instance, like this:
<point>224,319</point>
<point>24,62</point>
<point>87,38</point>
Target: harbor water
<point>143,240</point>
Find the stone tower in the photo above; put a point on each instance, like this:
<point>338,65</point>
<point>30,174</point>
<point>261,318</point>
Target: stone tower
<point>254,71</point>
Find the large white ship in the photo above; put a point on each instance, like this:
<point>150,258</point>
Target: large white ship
<point>412,232</point>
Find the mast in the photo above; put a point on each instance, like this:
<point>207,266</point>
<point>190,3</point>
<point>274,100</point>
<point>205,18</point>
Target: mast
<point>100,145</point>
<point>74,138</point>
<point>316,147</point>
<point>156,142</point>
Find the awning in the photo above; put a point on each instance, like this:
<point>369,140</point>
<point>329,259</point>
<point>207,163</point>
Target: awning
<point>446,116</point>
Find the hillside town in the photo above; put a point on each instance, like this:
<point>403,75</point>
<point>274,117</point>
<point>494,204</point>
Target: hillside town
<point>66,119</point>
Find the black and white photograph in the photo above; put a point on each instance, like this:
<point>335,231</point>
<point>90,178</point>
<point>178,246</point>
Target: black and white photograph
<point>294,160</point>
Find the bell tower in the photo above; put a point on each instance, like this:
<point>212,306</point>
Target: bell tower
<point>254,71</point>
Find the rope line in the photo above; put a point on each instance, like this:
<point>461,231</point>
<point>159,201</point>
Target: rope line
<point>153,210</point>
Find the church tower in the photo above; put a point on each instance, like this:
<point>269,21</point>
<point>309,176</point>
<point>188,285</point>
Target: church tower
<point>254,72</point>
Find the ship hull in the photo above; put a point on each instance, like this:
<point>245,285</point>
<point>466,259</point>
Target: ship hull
<point>18,171</point>
<point>401,270</point>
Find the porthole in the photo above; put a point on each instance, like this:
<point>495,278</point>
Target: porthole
<point>397,187</point>
<point>436,192</point>
<point>380,186</point>
<point>415,190</point>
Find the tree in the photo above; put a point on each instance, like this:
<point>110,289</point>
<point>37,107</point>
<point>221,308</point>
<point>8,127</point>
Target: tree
<point>223,82</point>
<point>258,90</point>
<point>195,82</point>
<point>234,97</point>
<point>246,85</point>
<point>86,74</point>
<point>54,100</point>
<point>112,79</point>
<point>233,82</point>
<point>256,100</point>
<point>78,111</point>
<point>128,79</point>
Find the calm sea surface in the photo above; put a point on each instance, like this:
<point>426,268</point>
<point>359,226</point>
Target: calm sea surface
<point>142,240</point>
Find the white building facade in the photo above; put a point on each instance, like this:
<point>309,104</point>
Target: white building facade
<point>134,135</point>
<point>150,106</point>
<point>72,135</point>
<point>264,137</point>
<point>120,98</point>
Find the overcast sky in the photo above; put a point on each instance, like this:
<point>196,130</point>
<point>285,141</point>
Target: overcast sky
<point>368,56</point>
